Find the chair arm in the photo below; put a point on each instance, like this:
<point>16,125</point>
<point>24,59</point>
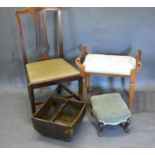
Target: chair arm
<point>138,61</point>
<point>84,51</point>
<point>80,65</point>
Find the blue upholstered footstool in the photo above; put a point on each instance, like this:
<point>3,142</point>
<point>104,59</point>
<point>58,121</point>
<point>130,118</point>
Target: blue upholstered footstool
<point>110,109</point>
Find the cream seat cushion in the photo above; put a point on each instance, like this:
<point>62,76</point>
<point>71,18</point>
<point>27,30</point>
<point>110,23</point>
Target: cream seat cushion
<point>51,69</point>
<point>109,64</point>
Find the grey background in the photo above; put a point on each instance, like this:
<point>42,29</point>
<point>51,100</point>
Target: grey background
<point>103,30</point>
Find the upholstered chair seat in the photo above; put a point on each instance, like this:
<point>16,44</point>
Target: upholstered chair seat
<point>52,69</point>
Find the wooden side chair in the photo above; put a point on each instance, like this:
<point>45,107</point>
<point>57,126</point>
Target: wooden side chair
<point>46,71</point>
<point>110,65</point>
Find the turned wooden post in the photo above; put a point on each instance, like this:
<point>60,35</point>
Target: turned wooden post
<point>133,77</point>
<point>88,82</point>
<point>131,90</point>
<point>83,89</point>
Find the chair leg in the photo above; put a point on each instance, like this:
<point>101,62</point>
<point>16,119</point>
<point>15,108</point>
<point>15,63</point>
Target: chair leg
<point>59,89</point>
<point>31,96</point>
<point>131,91</point>
<point>123,82</point>
<point>88,83</point>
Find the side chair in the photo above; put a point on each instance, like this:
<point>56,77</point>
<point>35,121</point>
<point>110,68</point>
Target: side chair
<point>46,71</point>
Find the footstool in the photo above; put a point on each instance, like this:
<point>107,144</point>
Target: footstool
<point>110,109</point>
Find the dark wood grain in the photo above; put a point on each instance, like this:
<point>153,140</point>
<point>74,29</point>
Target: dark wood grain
<point>42,46</point>
<point>59,118</point>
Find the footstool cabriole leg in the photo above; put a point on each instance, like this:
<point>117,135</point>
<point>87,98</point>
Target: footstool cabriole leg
<point>125,126</point>
<point>126,129</point>
<point>128,121</point>
<point>100,128</point>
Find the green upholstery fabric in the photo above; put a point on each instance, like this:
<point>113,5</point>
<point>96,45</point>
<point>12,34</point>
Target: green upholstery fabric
<point>52,69</point>
<point>110,108</point>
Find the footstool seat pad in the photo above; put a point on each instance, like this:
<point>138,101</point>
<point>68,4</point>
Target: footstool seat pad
<point>110,108</point>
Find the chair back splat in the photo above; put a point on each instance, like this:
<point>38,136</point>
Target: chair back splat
<point>39,16</point>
